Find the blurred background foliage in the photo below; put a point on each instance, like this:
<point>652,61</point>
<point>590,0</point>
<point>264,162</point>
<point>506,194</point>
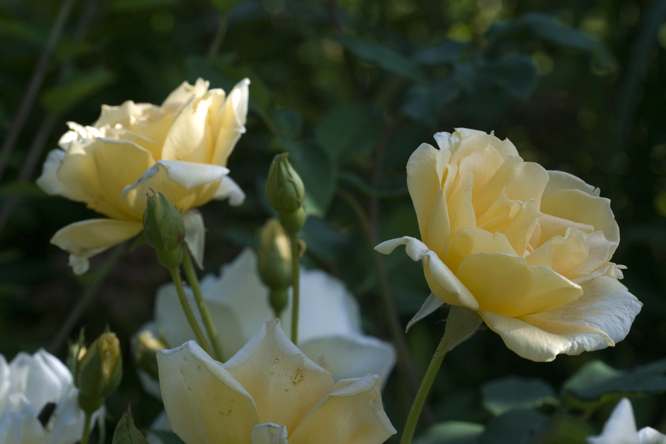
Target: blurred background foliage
<point>350,88</point>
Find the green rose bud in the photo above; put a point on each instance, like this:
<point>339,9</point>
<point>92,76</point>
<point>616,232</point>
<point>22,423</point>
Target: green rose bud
<point>164,230</point>
<point>99,372</point>
<point>284,187</point>
<point>274,263</point>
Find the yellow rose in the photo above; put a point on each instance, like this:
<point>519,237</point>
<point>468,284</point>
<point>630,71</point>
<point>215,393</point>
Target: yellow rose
<point>179,149</point>
<point>526,248</point>
<point>268,393</point>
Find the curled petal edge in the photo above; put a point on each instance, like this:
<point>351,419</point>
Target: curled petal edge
<point>451,290</point>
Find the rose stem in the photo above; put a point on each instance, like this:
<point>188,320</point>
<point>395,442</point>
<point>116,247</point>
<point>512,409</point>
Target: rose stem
<point>295,301</point>
<point>201,339</point>
<point>86,428</point>
<point>191,276</point>
<point>421,396</point>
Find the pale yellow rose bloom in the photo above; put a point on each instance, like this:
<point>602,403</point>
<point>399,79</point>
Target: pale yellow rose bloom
<point>179,149</point>
<point>528,249</point>
<point>268,393</point>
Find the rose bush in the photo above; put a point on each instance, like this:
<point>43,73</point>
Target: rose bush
<point>528,249</point>
<point>330,323</point>
<point>179,149</point>
<point>268,393</point>
<point>621,429</point>
<point>31,385</point>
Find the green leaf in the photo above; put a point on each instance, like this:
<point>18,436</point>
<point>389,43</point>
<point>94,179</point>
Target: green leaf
<point>323,241</point>
<point>548,29</point>
<point>424,102</point>
<point>516,75</point>
<point>392,187</point>
<point>451,432</point>
<point>348,129</point>
<point>515,392</point>
<point>317,170</point>
<point>447,51</point>
<point>383,56</point>
<point>126,432</point>
<point>515,427</point>
<point>565,429</point>
<point>597,383</point>
<point>59,100</point>
<point>289,122</point>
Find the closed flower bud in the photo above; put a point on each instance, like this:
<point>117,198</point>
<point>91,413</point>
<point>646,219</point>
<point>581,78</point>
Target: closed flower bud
<point>164,230</point>
<point>284,187</point>
<point>99,372</point>
<point>145,353</point>
<point>163,225</point>
<point>274,263</point>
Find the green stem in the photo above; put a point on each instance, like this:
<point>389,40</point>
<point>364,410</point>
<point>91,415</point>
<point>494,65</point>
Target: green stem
<point>419,400</point>
<point>86,429</point>
<point>191,276</point>
<point>201,339</point>
<point>295,301</point>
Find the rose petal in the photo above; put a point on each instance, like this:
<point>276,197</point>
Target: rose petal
<point>327,310</point>
<point>48,181</point>
<point>352,414</point>
<point>229,122</point>
<point>441,280</point>
<point>173,325</point>
<point>185,184</point>
<point>559,180</point>
<point>277,374</point>
<point>620,427</point>
<point>190,137</point>
<point>606,305</point>
<point>89,237</point>
<point>96,171</point>
<point>183,94</point>
<point>581,207</point>
<point>513,288</point>
<point>195,235</point>
<point>229,189</point>
<point>519,180</point>
<point>539,345</point>
<point>461,211</point>
<point>470,241</point>
<point>239,291</point>
<point>269,433</point>
<point>423,184</point>
<point>203,401</point>
<point>350,356</point>
<point>482,164</point>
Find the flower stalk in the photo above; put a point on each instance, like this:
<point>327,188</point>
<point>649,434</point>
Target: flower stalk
<point>421,395</point>
<point>86,428</point>
<point>295,301</point>
<point>178,282</point>
<point>192,279</point>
